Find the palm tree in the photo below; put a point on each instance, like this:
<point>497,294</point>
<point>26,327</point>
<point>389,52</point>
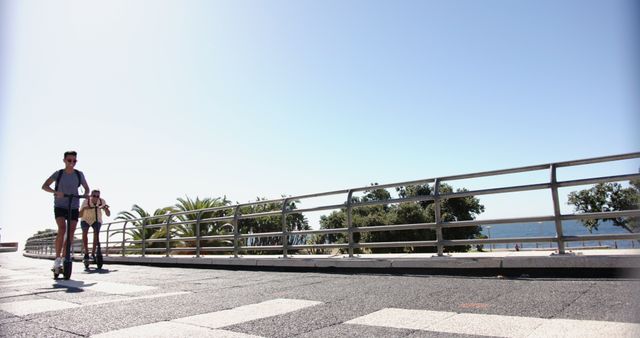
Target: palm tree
<point>137,217</point>
<point>207,228</point>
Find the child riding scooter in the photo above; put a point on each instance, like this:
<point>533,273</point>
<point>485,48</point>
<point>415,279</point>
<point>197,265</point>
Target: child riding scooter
<point>91,215</point>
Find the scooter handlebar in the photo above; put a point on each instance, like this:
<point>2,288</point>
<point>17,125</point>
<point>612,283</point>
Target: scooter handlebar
<point>76,196</point>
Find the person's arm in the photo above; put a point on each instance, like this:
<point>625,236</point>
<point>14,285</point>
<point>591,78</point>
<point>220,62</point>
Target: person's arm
<point>105,207</point>
<point>85,185</point>
<point>85,205</point>
<point>46,186</point>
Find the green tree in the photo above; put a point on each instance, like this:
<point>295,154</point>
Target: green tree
<point>455,209</point>
<point>605,197</point>
<point>137,216</point>
<point>294,221</point>
<point>207,228</point>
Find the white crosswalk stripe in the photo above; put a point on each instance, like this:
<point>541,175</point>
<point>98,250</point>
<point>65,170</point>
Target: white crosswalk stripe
<point>208,324</point>
<point>172,329</point>
<point>247,313</point>
<point>106,287</point>
<point>17,280</point>
<point>26,307</point>
<point>495,325</point>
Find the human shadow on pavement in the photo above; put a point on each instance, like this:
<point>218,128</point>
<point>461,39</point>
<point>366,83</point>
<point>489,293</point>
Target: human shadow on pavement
<point>98,271</point>
<point>71,285</point>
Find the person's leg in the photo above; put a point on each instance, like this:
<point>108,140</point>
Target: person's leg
<point>62,227</point>
<point>85,244</point>
<point>72,230</point>
<point>96,233</point>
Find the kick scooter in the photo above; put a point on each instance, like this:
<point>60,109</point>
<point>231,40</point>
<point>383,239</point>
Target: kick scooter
<point>98,260</point>
<point>98,257</point>
<point>67,264</point>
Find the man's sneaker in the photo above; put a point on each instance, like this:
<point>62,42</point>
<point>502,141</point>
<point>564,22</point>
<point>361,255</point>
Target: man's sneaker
<point>57,263</point>
<point>93,257</point>
<point>86,258</point>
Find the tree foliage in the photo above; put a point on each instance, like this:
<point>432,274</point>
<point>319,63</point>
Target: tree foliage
<point>137,217</point>
<point>454,209</point>
<point>294,221</point>
<point>207,228</point>
<point>605,197</point>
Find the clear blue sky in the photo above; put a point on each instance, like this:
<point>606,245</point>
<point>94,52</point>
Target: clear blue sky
<point>164,99</point>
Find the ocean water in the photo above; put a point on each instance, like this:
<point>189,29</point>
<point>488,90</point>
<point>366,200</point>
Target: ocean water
<point>570,228</point>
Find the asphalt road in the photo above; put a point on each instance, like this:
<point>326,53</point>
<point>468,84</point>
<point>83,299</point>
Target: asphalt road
<point>127,300</point>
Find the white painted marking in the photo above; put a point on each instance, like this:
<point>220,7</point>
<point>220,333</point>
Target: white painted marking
<point>169,294</point>
<point>6,294</point>
<point>247,313</point>
<point>17,293</point>
<point>7,272</point>
<point>99,286</point>
<point>106,287</point>
<point>488,325</point>
<point>20,308</point>
<point>402,319</point>
<point>34,282</point>
<point>172,329</point>
<point>26,307</point>
<point>208,324</point>
<point>495,325</point>
<point>586,328</point>
<point>13,278</point>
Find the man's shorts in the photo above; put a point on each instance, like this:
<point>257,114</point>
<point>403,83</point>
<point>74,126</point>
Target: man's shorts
<point>62,212</point>
<point>85,226</point>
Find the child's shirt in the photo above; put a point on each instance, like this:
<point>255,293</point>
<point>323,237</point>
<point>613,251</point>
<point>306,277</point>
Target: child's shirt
<point>92,213</point>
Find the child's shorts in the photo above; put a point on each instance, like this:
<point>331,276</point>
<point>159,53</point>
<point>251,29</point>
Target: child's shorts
<point>85,226</point>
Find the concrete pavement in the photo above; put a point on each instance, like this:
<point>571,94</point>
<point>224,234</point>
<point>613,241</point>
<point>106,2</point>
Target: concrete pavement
<point>125,300</point>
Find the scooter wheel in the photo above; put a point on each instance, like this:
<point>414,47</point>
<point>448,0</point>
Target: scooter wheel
<point>86,264</point>
<point>55,273</point>
<point>66,271</point>
<point>99,261</point>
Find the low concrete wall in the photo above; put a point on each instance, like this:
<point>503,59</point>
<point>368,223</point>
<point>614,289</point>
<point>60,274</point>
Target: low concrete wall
<point>593,259</point>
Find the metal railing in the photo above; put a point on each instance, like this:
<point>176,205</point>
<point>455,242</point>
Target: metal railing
<point>120,238</point>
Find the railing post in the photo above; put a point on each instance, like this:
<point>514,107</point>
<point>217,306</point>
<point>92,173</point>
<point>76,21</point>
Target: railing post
<point>236,232</point>
<point>144,237</point>
<point>106,248</point>
<point>285,235</point>
<point>168,238</point>
<point>438,216</point>
<point>124,226</point>
<point>349,223</point>
<point>556,209</point>
<point>198,218</point>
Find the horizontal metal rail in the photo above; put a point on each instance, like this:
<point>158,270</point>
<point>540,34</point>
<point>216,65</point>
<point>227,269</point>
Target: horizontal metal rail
<point>187,232</point>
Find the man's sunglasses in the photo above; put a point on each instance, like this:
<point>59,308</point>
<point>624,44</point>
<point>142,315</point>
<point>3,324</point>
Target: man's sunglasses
<point>98,196</point>
<point>72,161</point>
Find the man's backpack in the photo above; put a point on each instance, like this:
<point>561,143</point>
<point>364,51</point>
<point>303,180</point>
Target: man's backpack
<point>60,176</point>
